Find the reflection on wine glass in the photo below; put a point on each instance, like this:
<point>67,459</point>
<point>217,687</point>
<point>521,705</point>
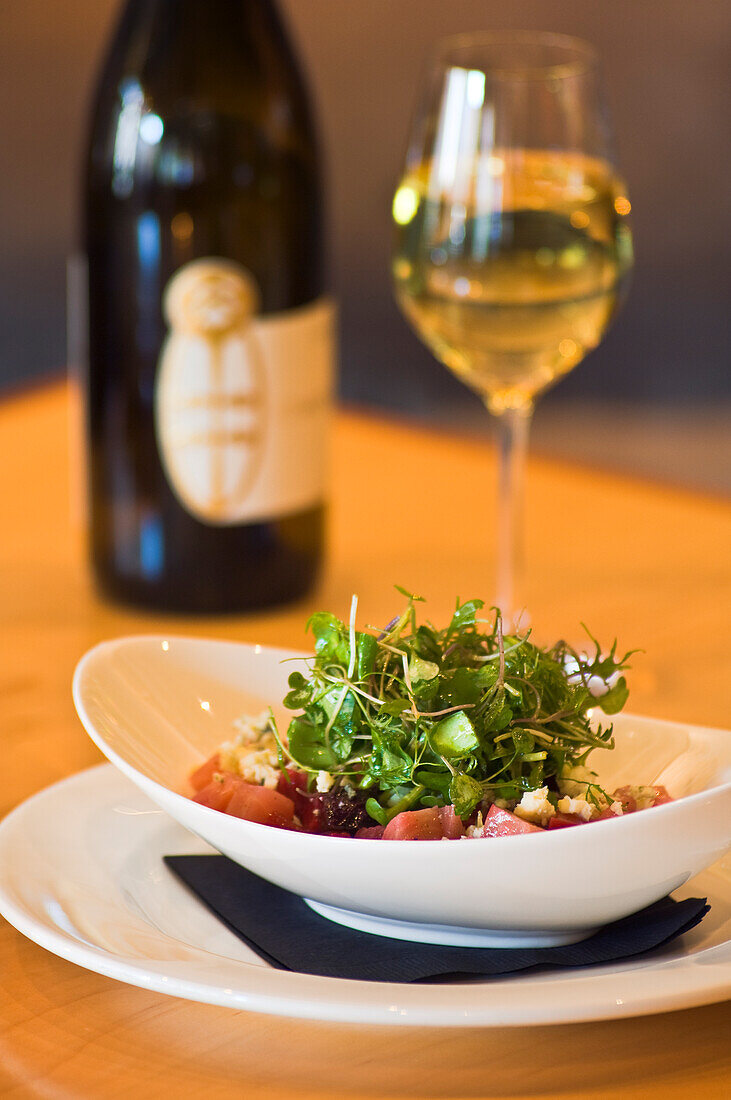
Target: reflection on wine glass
<point>512,244</point>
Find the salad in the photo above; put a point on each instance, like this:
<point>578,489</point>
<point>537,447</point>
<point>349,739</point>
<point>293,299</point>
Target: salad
<point>416,733</point>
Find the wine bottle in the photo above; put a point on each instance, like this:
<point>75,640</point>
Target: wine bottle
<point>210,334</point>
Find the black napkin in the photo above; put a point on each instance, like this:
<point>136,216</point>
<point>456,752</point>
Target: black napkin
<point>282,929</point>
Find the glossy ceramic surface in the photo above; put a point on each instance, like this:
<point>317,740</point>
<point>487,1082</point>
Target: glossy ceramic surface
<point>81,873</point>
<point>158,706</point>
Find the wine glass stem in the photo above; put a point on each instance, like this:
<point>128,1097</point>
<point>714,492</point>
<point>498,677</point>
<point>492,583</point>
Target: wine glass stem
<point>512,426</point>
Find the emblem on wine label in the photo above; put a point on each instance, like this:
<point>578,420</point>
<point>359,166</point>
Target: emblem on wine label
<point>242,399</point>
<point>211,392</point>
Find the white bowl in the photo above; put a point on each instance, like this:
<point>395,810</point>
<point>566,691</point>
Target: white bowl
<point>157,706</point>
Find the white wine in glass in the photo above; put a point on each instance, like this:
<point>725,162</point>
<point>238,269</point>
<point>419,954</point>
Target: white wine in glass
<point>512,245</point>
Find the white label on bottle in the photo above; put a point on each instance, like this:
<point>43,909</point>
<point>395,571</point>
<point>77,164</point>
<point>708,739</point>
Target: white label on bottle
<point>242,401</point>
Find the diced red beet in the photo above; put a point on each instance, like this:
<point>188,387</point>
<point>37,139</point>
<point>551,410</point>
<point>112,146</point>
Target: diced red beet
<point>502,823</point>
<point>309,811</point>
<point>261,805</point>
<point>370,832</point>
<point>452,826</point>
<point>218,793</point>
<point>308,807</point>
<point>563,821</point>
<point>292,780</point>
<point>423,824</point>
<point>203,775</point>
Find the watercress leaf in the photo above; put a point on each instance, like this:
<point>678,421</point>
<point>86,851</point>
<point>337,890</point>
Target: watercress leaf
<point>393,767</point>
<point>614,699</point>
<point>465,794</point>
<point>343,718</point>
<point>420,669</point>
<point>307,746</point>
<point>332,644</point>
<point>603,667</point>
<point>394,707</point>
<point>523,740</point>
<point>454,736</point>
<point>388,763</point>
<point>464,615</point>
<point>461,686</point>
<point>493,713</point>
<point>504,718</point>
<point>427,644</point>
<point>333,700</point>
<point>300,694</point>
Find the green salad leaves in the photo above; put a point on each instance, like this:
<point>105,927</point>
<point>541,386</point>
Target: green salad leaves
<point>412,716</point>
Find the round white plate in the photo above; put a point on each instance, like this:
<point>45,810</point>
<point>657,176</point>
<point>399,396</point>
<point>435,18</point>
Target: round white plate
<point>81,874</point>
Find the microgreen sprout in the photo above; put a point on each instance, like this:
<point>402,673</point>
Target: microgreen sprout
<point>413,716</point>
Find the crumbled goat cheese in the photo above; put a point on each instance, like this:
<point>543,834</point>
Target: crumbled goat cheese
<point>535,807</point>
<point>578,806</point>
<point>617,808</point>
<point>324,782</point>
<point>251,727</point>
<point>252,754</point>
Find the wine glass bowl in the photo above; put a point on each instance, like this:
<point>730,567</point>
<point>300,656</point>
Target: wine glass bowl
<point>512,246</point>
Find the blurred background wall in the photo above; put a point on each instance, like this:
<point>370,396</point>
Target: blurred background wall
<point>666,65</point>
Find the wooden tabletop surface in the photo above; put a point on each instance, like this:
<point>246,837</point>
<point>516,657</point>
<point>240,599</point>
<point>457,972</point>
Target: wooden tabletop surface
<point>647,563</point>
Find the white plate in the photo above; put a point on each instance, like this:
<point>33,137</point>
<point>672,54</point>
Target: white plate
<point>81,873</point>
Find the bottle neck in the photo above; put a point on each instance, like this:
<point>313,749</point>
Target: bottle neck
<point>221,31</point>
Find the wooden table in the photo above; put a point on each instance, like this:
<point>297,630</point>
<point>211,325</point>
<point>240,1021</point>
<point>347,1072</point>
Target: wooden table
<point>650,564</point>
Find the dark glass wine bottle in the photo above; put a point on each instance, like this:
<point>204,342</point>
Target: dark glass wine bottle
<point>210,337</point>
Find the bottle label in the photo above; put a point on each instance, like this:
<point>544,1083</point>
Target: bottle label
<point>242,401</point>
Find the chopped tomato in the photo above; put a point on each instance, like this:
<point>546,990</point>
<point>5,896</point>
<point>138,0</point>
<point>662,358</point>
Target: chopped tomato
<point>628,796</point>
<point>452,826</point>
<point>203,775</point>
<point>415,825</point>
<point>627,800</point>
<point>262,805</point>
<point>218,793</point>
<point>502,823</point>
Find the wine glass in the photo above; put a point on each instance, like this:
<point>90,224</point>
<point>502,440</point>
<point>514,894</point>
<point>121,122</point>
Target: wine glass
<point>512,246</point>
